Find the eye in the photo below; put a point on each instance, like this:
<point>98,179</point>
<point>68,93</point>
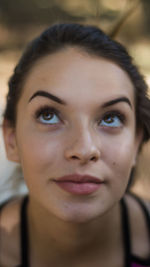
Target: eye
<point>112,119</point>
<point>48,115</point>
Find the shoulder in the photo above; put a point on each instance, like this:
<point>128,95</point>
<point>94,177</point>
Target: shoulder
<point>10,232</point>
<point>139,225</point>
<point>138,204</point>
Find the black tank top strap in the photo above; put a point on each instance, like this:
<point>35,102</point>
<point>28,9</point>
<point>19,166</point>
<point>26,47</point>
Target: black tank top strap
<point>126,226</point>
<point>145,210</point>
<point>24,234</point>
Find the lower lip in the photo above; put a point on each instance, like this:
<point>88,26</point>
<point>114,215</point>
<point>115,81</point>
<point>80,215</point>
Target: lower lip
<point>79,188</point>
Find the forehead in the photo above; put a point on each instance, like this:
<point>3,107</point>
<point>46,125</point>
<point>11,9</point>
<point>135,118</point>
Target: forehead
<point>72,72</point>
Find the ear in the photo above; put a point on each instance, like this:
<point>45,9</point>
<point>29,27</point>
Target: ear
<point>10,141</point>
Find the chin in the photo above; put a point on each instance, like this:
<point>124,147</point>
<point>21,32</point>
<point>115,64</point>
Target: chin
<point>78,219</point>
<point>79,215</point>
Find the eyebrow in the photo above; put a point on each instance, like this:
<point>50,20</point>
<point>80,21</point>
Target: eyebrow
<point>60,101</point>
<point>117,100</point>
<point>48,95</point>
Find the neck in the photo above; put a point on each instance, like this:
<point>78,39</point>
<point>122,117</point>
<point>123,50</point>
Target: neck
<point>50,236</point>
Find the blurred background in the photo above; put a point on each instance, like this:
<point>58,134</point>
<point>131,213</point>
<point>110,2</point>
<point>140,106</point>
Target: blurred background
<point>128,21</point>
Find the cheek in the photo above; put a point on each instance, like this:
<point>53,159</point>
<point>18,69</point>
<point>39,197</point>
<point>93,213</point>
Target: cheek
<point>39,153</point>
<point>119,155</point>
<point>121,147</point>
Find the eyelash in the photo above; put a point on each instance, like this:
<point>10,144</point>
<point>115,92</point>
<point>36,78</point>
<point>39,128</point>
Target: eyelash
<point>54,111</point>
<point>47,109</point>
<point>114,113</point>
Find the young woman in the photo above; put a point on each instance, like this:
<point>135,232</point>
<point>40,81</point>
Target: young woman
<point>76,117</point>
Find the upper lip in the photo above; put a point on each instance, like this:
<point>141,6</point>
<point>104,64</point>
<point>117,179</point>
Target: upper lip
<point>77,178</point>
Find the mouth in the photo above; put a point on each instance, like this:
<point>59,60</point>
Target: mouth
<point>79,184</point>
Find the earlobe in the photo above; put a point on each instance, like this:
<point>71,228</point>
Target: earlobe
<point>9,135</point>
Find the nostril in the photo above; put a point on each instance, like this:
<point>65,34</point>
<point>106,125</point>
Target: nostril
<point>74,157</point>
<point>93,158</point>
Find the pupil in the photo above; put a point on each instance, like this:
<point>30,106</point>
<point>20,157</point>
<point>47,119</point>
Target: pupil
<point>109,119</point>
<point>47,115</point>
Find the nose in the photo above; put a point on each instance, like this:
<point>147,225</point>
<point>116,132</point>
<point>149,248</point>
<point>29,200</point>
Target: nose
<point>83,148</point>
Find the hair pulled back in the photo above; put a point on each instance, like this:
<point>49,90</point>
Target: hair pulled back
<point>95,42</point>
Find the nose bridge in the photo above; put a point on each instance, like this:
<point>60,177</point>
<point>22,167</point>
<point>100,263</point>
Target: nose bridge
<point>82,144</point>
<point>84,138</point>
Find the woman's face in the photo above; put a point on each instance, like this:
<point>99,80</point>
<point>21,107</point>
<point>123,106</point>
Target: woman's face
<point>76,116</point>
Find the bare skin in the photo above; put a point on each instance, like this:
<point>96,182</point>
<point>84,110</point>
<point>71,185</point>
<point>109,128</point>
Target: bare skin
<point>78,138</point>
<point>93,251</point>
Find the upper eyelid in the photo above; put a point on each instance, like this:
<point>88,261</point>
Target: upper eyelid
<point>114,112</point>
<point>46,107</point>
<point>115,107</point>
